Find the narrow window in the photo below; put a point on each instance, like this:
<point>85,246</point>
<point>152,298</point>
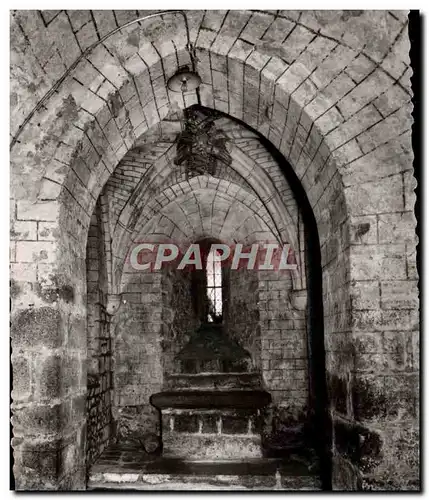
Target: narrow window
<point>214,288</point>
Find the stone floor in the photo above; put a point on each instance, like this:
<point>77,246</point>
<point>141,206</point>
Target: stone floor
<point>128,467</point>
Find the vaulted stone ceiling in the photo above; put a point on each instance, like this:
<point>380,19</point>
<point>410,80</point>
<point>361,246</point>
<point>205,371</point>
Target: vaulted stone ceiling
<point>361,40</point>
<point>150,196</point>
<point>322,94</point>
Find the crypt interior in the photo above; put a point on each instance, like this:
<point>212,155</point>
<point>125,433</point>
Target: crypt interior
<point>213,127</point>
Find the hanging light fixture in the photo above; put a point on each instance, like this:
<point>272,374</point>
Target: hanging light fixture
<point>200,147</point>
<point>184,80</point>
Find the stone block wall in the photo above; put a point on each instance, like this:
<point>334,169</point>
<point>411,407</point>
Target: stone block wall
<point>333,97</point>
<point>138,372</point>
<point>178,313</point>
<point>284,341</point>
<point>48,341</point>
<point>100,425</point>
<point>268,318</point>
<point>242,312</point>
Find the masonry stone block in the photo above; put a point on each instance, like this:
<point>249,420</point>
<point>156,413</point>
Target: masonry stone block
<point>368,397</point>
<point>365,295</point>
<point>37,327</point>
<point>36,469</point>
<point>399,295</point>
<point>378,262</point>
<point>49,380</point>
<point>375,84</point>
<point>397,227</point>
<point>48,210</point>
<point>21,377</point>
<point>402,392</point>
<point>23,272</point>
<point>393,126</point>
<point>24,230</point>
<point>36,419</point>
<point>391,100</point>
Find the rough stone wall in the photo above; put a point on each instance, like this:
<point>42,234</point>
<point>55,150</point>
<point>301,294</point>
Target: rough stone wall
<point>138,355</point>
<point>336,103</point>
<point>178,313</point>
<point>100,426</point>
<point>266,318</point>
<point>49,345</point>
<point>284,342</point>
<point>242,312</point>
<point>385,385</point>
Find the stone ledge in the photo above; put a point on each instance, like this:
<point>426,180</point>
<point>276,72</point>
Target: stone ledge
<point>210,381</point>
<point>207,483</point>
<point>211,399</point>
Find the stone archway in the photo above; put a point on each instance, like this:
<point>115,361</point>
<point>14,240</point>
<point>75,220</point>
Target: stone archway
<point>357,176</point>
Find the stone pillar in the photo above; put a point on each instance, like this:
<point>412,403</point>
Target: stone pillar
<point>48,330</point>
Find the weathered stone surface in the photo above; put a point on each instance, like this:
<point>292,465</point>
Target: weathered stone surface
<point>340,115</point>
<point>135,422</point>
<point>211,447</point>
<point>43,326</point>
<point>129,467</point>
<point>45,419</point>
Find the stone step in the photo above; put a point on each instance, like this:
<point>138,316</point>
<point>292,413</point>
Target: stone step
<point>169,482</point>
<point>204,381</point>
<point>175,474</point>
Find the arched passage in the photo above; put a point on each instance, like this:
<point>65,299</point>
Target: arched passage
<point>59,175</point>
